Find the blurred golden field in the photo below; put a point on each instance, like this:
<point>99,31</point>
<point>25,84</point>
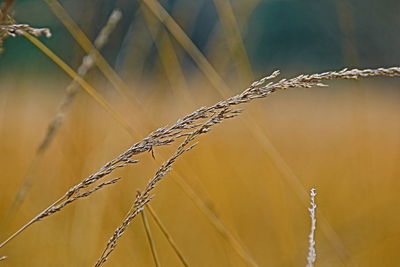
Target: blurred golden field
<point>342,140</point>
<point>253,172</point>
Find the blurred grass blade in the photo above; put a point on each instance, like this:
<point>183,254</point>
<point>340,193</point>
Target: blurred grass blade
<point>86,86</point>
<point>221,57</point>
<point>150,238</point>
<point>6,5</point>
<point>167,235</point>
<point>234,39</point>
<point>88,47</point>
<point>188,45</point>
<point>217,223</point>
<point>168,56</point>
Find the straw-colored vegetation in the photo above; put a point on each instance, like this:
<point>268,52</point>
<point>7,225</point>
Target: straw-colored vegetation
<point>252,195</point>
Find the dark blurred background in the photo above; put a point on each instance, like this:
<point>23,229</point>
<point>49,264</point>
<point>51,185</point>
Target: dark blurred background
<point>291,35</point>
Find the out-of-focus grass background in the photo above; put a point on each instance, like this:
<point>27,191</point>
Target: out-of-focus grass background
<point>342,140</point>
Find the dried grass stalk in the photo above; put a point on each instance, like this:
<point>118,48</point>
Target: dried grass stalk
<point>145,197</point>
<point>189,127</point>
<point>227,20</point>
<point>112,243</point>
<point>121,87</point>
<point>217,113</point>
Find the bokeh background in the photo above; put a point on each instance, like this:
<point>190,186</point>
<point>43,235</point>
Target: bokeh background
<point>254,171</point>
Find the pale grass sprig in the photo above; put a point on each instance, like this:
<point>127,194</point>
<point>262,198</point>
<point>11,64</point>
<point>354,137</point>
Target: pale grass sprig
<point>312,254</point>
<point>15,30</point>
<point>142,198</point>
<point>196,121</point>
<point>8,27</point>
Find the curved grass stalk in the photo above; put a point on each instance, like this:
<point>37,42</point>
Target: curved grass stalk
<point>257,131</point>
<point>92,92</point>
<point>114,78</point>
<point>216,114</point>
